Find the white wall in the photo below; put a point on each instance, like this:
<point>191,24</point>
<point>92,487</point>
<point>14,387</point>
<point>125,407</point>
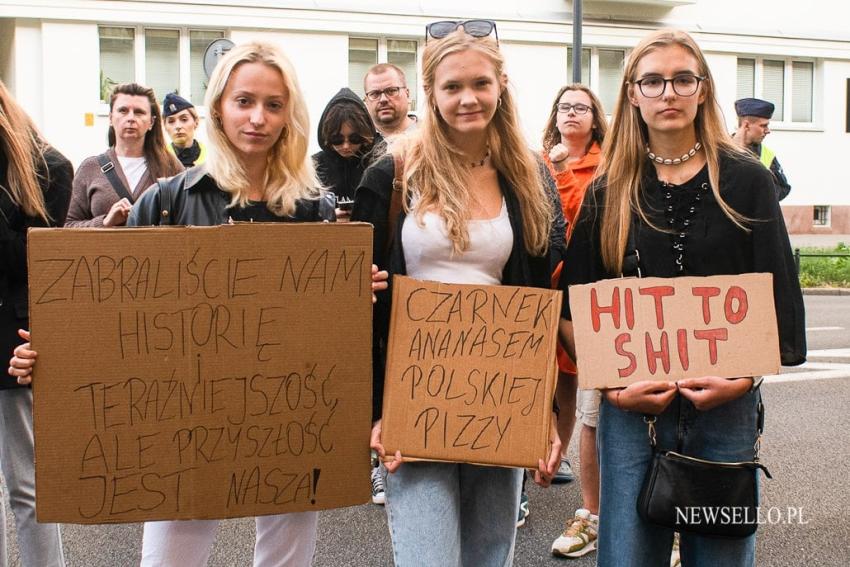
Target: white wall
<point>70,89</point>
<point>535,72</point>
<point>51,60</point>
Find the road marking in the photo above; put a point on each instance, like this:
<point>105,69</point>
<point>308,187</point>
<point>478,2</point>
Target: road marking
<point>815,375</point>
<point>811,329</point>
<point>816,370</point>
<point>830,352</point>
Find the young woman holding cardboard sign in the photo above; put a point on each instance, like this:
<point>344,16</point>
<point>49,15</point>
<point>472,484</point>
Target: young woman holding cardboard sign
<point>474,208</point>
<point>674,186</point>
<point>258,170</point>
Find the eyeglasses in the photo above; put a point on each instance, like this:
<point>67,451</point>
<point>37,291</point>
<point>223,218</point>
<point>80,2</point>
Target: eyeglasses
<point>391,92</point>
<point>475,28</point>
<point>353,139</point>
<point>685,84</point>
<point>578,108</point>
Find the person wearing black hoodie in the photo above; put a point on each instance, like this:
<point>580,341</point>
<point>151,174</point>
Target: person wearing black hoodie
<point>350,143</point>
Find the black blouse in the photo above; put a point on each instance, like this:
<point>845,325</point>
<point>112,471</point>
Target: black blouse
<point>700,240</point>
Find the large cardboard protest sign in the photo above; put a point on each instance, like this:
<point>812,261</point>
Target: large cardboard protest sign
<point>634,329</point>
<point>200,372</point>
<point>470,372</point>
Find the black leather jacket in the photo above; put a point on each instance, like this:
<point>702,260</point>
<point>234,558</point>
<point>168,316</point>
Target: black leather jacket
<point>197,200</point>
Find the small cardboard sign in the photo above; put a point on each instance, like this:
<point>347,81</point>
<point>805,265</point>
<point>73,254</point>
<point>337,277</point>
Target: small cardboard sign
<point>470,372</point>
<point>633,329</point>
<point>201,372</point>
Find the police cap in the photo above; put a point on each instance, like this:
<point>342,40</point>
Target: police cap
<point>174,103</point>
<point>754,107</point>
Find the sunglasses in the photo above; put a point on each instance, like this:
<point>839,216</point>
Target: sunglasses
<point>353,139</point>
<point>475,28</point>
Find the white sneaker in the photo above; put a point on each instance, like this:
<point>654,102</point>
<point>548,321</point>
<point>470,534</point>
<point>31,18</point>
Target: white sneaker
<point>378,494</point>
<point>675,560</point>
<point>579,537</point>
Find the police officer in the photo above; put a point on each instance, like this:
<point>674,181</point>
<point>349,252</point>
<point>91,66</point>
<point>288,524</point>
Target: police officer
<point>753,125</point>
<point>181,119</point>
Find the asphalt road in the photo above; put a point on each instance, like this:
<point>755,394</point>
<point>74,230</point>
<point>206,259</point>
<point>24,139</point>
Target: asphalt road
<point>806,448</point>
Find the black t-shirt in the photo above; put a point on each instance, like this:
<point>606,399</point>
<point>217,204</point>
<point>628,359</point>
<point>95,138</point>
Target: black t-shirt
<point>256,211</point>
<point>712,244</point>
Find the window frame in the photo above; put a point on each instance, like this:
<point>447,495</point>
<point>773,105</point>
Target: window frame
<point>827,210</point>
<point>786,122</point>
<point>593,70</point>
<point>184,58</point>
<point>383,50</point>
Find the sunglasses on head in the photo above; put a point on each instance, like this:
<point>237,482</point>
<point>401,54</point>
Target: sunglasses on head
<point>353,139</point>
<point>475,28</point>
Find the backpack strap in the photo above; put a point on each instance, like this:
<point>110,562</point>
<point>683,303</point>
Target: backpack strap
<point>395,201</point>
<point>108,169</point>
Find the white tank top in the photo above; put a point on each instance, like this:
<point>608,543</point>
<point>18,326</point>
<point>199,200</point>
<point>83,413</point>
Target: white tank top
<point>429,256</point>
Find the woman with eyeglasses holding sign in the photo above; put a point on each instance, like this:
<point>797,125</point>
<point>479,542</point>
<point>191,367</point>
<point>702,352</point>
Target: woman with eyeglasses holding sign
<point>349,144</point>
<point>475,210</point>
<point>693,204</point>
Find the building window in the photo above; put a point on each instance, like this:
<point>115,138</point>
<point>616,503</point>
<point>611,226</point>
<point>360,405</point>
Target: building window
<point>789,85</point>
<point>365,52</point>
<point>117,58</point>
<point>602,71</point>
<point>746,78</point>
<point>198,42</point>
<point>162,61</point>
<point>169,60</point>
<point>821,215</point>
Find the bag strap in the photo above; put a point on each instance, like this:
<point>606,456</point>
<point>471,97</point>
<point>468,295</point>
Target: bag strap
<point>395,201</point>
<point>650,421</point>
<point>631,259</point>
<point>108,169</point>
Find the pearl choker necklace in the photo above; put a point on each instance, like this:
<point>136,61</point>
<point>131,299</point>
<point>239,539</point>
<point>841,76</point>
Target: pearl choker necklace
<point>674,161</point>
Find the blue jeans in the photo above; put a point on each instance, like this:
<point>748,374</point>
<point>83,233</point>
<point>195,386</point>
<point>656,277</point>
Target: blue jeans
<point>725,433</point>
<point>453,514</point>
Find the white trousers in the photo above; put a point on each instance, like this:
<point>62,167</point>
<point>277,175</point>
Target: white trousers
<point>284,540</point>
<point>40,544</point>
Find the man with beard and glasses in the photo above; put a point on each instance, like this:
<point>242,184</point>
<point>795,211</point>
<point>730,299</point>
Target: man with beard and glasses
<point>388,99</point>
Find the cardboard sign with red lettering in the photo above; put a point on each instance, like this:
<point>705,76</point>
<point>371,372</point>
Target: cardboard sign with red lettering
<point>470,372</point>
<point>633,329</point>
<point>200,372</point>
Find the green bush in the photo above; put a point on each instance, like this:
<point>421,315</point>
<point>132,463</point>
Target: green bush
<point>825,271</point>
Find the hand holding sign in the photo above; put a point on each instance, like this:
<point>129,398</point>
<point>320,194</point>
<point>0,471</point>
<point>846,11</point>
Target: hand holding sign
<point>709,392</point>
<point>646,396</point>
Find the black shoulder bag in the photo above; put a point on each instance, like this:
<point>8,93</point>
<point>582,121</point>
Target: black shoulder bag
<point>709,498</point>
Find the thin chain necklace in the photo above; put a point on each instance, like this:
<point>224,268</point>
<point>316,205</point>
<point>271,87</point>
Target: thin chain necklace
<point>484,159</point>
<point>674,161</point>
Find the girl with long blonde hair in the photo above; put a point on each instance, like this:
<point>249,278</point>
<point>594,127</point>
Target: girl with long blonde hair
<point>258,169</point>
<point>676,197</point>
<point>476,208</point>
<point>35,189</point>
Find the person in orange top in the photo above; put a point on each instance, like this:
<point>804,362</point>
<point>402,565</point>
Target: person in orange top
<point>571,148</point>
<point>571,144</point>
